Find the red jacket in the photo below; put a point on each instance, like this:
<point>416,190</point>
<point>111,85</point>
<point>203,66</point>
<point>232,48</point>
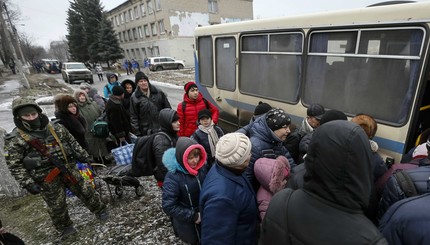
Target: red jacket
<point>188,118</point>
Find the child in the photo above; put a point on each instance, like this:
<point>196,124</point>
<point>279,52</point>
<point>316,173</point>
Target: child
<point>182,185</point>
<point>207,134</point>
<point>272,175</point>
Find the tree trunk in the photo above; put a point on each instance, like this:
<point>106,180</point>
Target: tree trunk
<point>8,185</point>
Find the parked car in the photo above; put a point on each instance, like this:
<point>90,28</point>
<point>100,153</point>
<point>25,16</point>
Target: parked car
<point>164,63</point>
<point>72,71</point>
<point>50,65</point>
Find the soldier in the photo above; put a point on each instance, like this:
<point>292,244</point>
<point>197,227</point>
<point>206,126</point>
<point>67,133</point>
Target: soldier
<point>42,156</point>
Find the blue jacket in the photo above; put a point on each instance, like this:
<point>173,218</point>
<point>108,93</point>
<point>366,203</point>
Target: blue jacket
<point>228,208</point>
<point>264,144</point>
<point>181,192</point>
<point>107,89</point>
<point>406,222</point>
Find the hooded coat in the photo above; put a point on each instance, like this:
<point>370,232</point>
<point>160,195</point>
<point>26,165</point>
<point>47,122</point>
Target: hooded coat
<point>188,118</point>
<point>107,89</point>
<point>127,95</point>
<point>272,175</point>
<point>161,143</point>
<point>144,110</point>
<point>93,94</point>
<point>116,114</point>
<point>337,186</point>
<point>264,144</point>
<point>76,125</point>
<point>90,111</point>
<point>181,189</point>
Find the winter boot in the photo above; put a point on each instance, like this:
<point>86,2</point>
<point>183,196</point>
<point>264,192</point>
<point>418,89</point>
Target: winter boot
<point>68,231</point>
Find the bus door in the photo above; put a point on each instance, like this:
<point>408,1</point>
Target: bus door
<point>225,94</point>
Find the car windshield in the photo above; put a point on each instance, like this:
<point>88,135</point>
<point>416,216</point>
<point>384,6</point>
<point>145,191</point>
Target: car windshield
<point>76,66</point>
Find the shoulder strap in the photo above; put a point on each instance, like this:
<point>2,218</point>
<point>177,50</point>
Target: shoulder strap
<point>170,139</point>
<point>405,183</point>
<point>108,89</point>
<point>206,103</point>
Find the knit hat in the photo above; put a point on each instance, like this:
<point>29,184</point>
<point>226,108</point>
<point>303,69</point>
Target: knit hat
<point>85,85</point>
<point>139,76</point>
<point>117,90</point>
<point>233,149</point>
<point>277,118</point>
<point>205,113</point>
<point>315,110</point>
<point>189,85</point>
<point>332,115</point>
<point>421,151</point>
<point>261,108</point>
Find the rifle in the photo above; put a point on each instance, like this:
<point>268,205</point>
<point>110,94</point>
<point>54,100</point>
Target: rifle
<point>43,150</point>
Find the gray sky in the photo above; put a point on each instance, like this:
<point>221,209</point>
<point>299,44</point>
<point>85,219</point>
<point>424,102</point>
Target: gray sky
<point>44,20</point>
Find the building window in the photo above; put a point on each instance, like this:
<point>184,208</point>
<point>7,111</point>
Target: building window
<point>116,20</point>
<point>142,9</point>
<point>161,26</point>
<point>157,5</point>
<point>125,16</point>
<point>156,51</point>
<point>134,34</point>
<point>129,35</point>
<point>120,37</point>
<point>150,7</point>
<point>213,6</point>
<point>139,30</point>
<point>130,13</point>
<point>136,12</point>
<point>146,28</point>
<point>122,18</point>
<point>125,36</point>
<point>144,53</point>
<point>153,29</point>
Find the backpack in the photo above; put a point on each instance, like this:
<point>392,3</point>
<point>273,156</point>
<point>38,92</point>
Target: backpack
<point>143,161</point>
<point>405,183</point>
<point>100,128</point>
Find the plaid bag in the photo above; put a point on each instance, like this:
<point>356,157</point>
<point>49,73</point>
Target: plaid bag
<point>87,173</point>
<point>123,154</point>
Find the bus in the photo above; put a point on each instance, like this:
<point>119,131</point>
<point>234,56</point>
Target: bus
<point>372,60</point>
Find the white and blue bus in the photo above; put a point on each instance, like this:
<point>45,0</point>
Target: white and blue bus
<point>372,60</point>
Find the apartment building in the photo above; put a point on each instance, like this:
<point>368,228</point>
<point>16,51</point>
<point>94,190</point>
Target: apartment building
<point>148,28</point>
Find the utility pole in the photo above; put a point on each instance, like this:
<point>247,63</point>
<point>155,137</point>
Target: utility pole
<point>9,42</point>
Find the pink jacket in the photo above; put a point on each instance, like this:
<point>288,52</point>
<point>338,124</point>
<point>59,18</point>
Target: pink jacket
<point>271,174</point>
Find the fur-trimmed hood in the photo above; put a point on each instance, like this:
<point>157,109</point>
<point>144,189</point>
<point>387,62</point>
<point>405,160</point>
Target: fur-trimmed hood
<point>62,102</point>
<point>272,173</point>
<point>80,91</point>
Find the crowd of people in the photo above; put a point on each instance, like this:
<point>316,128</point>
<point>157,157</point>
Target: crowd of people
<point>270,182</point>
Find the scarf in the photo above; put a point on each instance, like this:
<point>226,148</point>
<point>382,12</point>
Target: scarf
<point>212,136</point>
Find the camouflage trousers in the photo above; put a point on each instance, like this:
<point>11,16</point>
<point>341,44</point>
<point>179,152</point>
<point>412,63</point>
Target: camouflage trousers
<point>54,194</point>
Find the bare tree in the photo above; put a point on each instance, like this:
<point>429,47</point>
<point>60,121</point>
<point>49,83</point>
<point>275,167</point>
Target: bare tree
<point>32,53</point>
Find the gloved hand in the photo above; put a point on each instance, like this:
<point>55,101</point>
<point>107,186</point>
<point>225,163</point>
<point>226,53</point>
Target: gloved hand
<point>33,188</point>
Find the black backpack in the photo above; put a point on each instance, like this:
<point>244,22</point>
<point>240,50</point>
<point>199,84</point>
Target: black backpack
<point>143,162</point>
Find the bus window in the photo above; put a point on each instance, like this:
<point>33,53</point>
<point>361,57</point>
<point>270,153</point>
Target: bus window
<point>225,50</point>
<point>378,76</point>
<point>270,65</point>
<point>205,55</point>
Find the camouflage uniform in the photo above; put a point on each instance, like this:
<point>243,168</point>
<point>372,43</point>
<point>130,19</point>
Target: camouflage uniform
<point>17,151</point>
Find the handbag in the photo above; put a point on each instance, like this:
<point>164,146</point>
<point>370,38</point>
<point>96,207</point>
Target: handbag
<point>123,154</point>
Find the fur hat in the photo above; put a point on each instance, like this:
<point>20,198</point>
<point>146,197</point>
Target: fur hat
<point>189,85</point>
<point>277,118</point>
<point>139,76</point>
<point>117,90</point>
<point>233,149</point>
<point>368,124</point>
<point>315,110</point>
<point>332,115</point>
<point>205,113</point>
<point>62,102</point>
<point>261,108</point>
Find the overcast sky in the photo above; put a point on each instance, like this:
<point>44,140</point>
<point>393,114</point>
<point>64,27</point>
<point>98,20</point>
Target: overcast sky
<point>44,20</point>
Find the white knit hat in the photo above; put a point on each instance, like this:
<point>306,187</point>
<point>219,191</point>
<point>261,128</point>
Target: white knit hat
<point>233,149</point>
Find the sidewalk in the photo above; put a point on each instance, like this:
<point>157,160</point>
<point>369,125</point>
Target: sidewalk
<point>9,89</point>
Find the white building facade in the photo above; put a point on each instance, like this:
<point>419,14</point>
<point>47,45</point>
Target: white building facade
<point>148,28</point>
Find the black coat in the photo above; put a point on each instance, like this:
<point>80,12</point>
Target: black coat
<point>329,208</point>
<point>144,111</point>
<point>203,139</point>
<point>116,114</point>
<point>76,125</point>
